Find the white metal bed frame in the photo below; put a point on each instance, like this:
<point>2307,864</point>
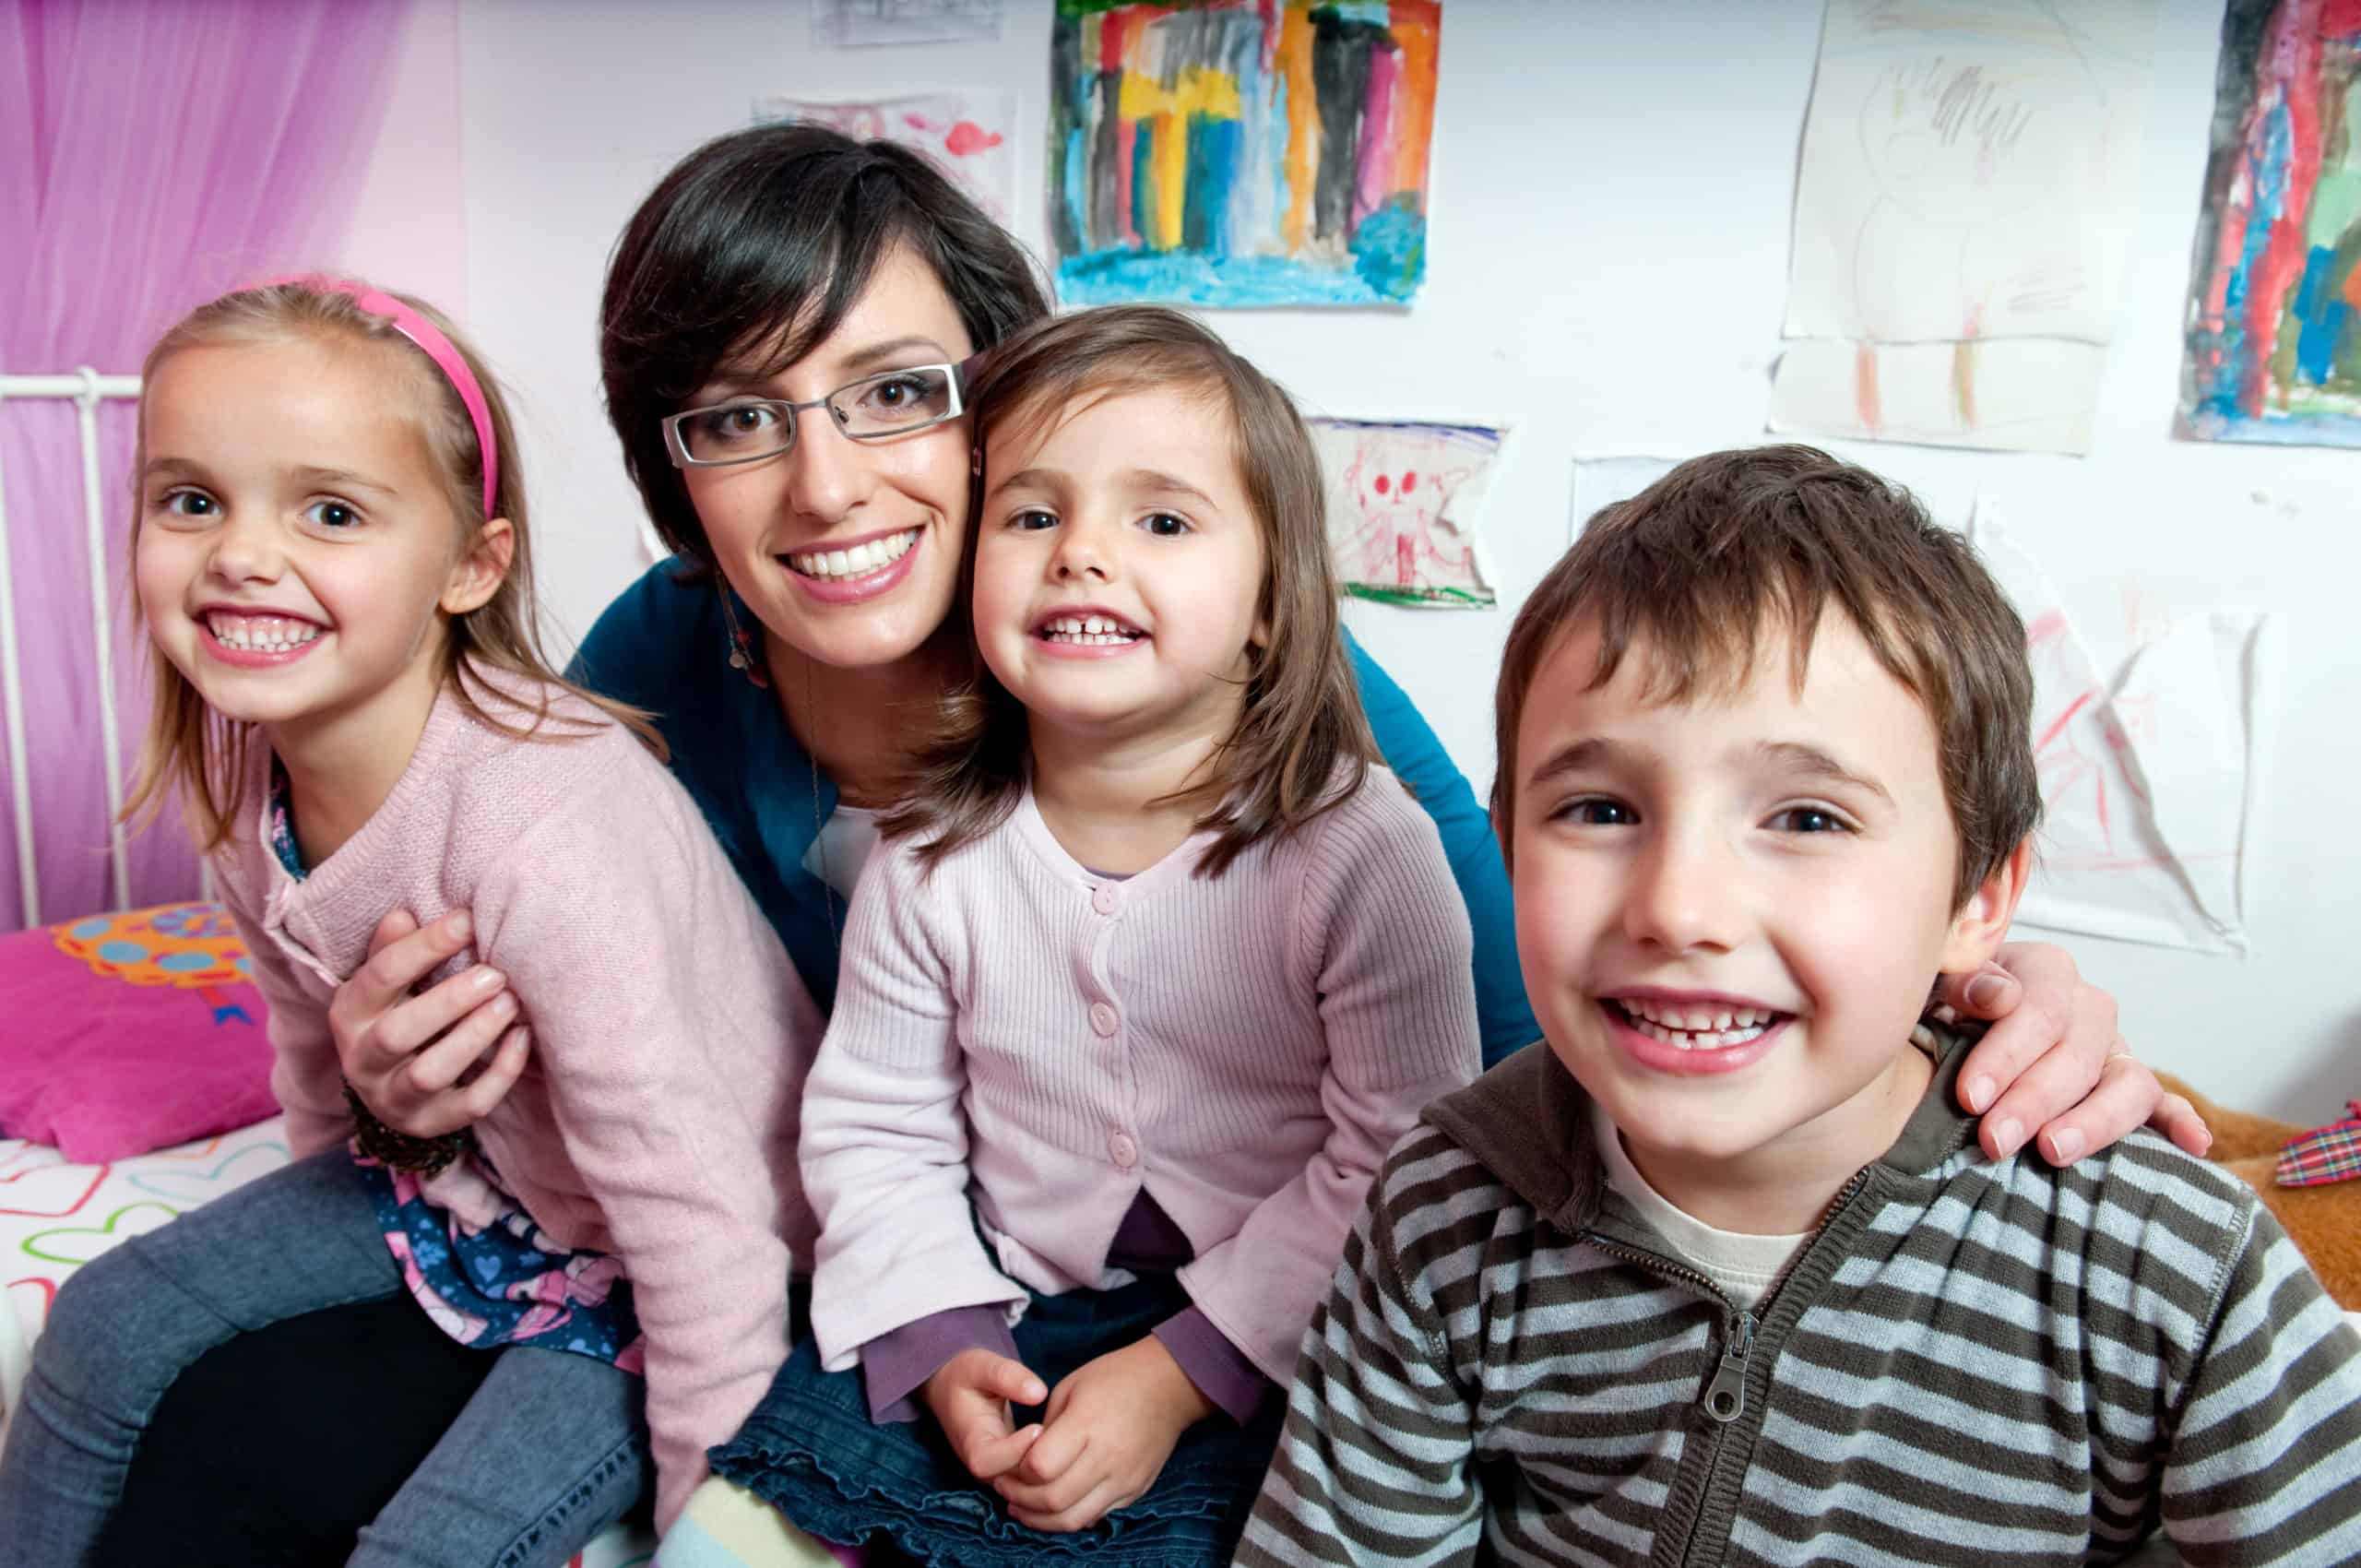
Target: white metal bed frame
<point>86,387</point>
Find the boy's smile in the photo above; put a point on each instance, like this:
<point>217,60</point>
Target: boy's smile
<point>1730,912</point>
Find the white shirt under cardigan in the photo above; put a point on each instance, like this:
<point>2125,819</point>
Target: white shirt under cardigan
<point>1014,1029</point>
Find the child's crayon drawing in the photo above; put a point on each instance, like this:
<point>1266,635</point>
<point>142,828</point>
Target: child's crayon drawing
<point>1964,211</point>
<point>2149,773</point>
<point>969,135</point>
<point>1402,500</point>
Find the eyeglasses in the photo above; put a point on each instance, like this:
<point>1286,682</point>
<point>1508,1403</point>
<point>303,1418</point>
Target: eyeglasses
<point>894,402</point>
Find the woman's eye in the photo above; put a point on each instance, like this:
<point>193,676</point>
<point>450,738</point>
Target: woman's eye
<point>1809,819</point>
<point>906,398</point>
<point>1164,525</point>
<point>331,515</point>
<point>189,504</point>
<point>735,422</point>
<point>1596,812</point>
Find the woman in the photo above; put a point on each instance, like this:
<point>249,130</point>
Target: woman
<point>800,637</point>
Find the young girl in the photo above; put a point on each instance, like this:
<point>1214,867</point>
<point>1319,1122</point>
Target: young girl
<point>330,560</point>
<point>1151,970</point>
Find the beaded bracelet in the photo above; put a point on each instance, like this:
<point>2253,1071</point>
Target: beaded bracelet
<point>423,1156</point>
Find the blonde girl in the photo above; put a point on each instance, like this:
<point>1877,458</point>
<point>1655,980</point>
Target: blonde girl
<point>330,560</point>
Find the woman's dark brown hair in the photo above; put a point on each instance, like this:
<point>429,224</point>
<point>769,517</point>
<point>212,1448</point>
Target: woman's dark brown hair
<point>751,252</point>
<point>1301,744</point>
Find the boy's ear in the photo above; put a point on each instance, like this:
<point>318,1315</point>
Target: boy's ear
<point>1982,923</point>
<point>480,568</point>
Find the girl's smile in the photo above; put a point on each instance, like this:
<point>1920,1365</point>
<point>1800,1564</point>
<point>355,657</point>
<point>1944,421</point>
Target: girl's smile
<point>1118,566</point>
<point>296,537</point>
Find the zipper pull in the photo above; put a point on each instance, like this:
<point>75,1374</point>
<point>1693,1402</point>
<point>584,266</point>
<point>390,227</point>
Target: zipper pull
<point>1726,1395</point>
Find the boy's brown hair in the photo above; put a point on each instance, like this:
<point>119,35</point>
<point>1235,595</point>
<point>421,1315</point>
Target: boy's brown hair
<point>1301,744</point>
<point>189,746</point>
<point>1699,565</point>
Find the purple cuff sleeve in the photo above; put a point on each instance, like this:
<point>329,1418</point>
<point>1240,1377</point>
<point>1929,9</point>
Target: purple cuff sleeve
<point>1218,1368</point>
<point>894,1364</point>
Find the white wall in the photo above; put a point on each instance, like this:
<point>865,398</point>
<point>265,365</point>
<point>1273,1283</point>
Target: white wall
<point>1609,240</point>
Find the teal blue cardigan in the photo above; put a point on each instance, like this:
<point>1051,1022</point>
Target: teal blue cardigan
<point>664,645</point>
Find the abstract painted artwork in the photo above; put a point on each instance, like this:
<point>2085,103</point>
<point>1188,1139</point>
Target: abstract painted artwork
<point>969,136</point>
<point>1241,152</point>
<point>2274,309</point>
<point>1962,214</point>
<point>851,24</point>
<point>1402,500</point>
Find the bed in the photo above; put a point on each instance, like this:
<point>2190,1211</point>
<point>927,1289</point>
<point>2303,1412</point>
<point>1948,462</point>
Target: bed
<point>56,1216</point>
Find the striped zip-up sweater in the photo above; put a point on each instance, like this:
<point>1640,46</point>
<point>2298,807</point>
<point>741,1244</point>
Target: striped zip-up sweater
<point>1971,1362</point>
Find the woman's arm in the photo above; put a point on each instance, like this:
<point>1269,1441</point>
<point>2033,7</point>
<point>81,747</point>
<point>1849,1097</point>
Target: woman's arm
<point>432,1063</point>
<point>1411,749</point>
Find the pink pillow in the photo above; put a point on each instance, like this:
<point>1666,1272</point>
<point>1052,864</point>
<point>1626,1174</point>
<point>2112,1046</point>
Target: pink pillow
<point>124,1033</point>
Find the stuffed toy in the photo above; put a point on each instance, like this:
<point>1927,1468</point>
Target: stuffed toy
<point>2313,1188</point>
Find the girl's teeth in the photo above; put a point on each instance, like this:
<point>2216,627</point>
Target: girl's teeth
<point>259,636</point>
<point>1089,631</point>
<point>857,562</point>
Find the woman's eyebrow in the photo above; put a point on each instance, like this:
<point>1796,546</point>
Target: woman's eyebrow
<point>894,353</point>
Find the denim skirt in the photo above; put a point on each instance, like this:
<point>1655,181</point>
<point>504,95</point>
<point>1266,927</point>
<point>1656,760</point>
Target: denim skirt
<point>812,1451</point>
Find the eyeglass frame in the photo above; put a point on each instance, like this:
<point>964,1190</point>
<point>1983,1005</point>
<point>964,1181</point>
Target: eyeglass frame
<point>960,374</point>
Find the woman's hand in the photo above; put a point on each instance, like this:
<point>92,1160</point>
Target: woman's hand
<point>407,1056</point>
<point>969,1395</point>
<point>1109,1429</point>
<point>2052,1062</point>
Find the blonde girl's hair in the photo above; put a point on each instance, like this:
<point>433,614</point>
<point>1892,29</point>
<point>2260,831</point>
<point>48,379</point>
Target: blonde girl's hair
<point>1301,745</point>
<point>208,758</point>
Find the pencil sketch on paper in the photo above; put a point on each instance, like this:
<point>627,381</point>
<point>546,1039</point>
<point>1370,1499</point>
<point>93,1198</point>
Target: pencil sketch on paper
<point>969,135</point>
<point>1965,184</point>
<point>1241,152</point>
<point>2149,775</point>
<point>1402,500</point>
<point>851,24</point>
<point>2274,309</point>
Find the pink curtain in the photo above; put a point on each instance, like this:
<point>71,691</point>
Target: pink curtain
<point>153,153</point>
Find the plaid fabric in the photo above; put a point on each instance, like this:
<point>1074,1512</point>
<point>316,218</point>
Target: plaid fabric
<point>2330,1154</point>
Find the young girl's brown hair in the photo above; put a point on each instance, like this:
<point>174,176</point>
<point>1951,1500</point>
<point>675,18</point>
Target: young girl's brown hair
<point>208,757</point>
<point>1301,744</point>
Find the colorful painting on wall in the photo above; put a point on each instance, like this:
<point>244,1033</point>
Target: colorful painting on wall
<point>2274,309</point>
<point>969,134</point>
<point>1402,500</point>
<point>1241,152</point>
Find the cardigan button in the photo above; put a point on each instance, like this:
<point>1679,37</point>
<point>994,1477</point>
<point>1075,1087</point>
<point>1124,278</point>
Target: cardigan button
<point>1104,1018</point>
<point>1126,1153</point>
<point>1105,901</point>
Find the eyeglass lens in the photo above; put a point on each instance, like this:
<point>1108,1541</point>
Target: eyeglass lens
<point>874,405</point>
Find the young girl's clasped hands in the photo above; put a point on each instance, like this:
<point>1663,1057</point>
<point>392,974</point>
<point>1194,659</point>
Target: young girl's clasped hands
<point>1153,968</point>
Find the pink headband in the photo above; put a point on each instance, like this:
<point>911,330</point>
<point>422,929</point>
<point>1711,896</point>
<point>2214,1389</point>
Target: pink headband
<point>432,342</point>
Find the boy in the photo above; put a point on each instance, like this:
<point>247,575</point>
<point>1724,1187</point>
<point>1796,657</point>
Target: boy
<point>1716,1274</point>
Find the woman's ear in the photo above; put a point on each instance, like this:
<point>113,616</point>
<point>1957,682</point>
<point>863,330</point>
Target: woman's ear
<point>1982,923</point>
<point>480,568</point>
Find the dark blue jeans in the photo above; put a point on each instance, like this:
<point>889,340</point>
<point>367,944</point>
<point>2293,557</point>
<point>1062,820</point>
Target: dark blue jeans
<point>812,1451</point>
